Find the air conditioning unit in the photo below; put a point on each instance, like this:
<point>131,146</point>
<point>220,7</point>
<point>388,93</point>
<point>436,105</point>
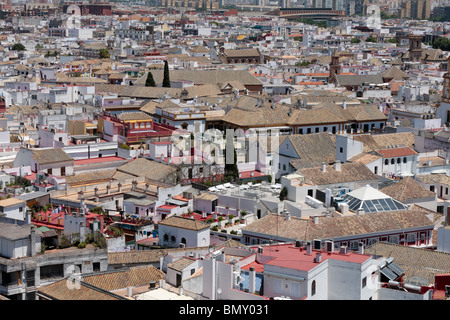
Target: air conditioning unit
<point>329,246</point>
<point>317,244</point>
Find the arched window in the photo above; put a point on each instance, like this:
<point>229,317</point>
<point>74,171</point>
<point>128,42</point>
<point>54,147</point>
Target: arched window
<point>184,126</point>
<point>183,240</point>
<point>399,160</point>
<point>313,288</point>
<point>405,160</point>
<point>392,161</point>
<point>386,162</point>
<point>166,237</point>
<point>173,239</point>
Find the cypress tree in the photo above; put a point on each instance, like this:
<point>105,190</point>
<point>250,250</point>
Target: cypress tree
<point>166,79</point>
<point>150,82</point>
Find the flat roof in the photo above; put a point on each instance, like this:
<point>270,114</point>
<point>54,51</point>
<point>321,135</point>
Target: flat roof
<point>11,202</point>
<point>290,257</point>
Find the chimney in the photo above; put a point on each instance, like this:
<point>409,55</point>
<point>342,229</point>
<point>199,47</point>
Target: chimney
<point>119,187</point>
<point>204,215</point>
<point>429,163</point>
<point>214,216</point>
<point>252,280</point>
<point>316,219</point>
<point>129,291</point>
<point>32,240</point>
<point>108,187</point>
<point>343,250</point>
<point>180,291</point>
<point>146,187</point>
<point>260,250</point>
<point>337,165</point>
<point>96,191</point>
<point>82,231</point>
<point>152,285</point>
<point>162,284</point>
<point>361,248</point>
<point>344,105</point>
<point>80,195</point>
<point>308,248</point>
<point>324,167</point>
<point>161,263</point>
<point>288,216</point>
<point>318,257</point>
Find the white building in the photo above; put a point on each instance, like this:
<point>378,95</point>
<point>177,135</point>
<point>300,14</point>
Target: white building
<point>178,231</point>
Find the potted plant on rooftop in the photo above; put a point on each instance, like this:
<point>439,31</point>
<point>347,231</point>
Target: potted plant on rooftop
<point>243,214</point>
<point>221,223</point>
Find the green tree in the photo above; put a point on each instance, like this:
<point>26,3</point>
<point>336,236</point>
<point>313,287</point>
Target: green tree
<point>103,54</point>
<point>371,39</point>
<point>442,43</point>
<point>150,82</point>
<point>166,79</point>
<point>231,169</point>
<point>355,40</point>
<point>18,47</point>
<point>283,194</point>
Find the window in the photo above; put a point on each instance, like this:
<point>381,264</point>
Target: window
<point>166,237</point>
<point>393,239</point>
<point>313,288</point>
<point>432,188</point>
<point>20,209</point>
<point>284,167</point>
<point>364,282</point>
<point>386,162</point>
<point>341,150</point>
<point>399,160</point>
<point>277,285</point>
<point>317,130</point>
<point>173,239</point>
<point>300,131</point>
<point>411,238</point>
<point>96,266</point>
<point>295,289</point>
<point>405,160</point>
<point>192,271</point>
<point>392,161</point>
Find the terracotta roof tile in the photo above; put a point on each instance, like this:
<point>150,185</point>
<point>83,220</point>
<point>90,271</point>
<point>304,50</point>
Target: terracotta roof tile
<point>134,277</point>
<point>338,227</point>
<point>415,261</point>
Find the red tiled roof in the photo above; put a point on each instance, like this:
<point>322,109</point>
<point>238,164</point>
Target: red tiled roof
<point>247,174</point>
<point>289,256</point>
<point>259,267</point>
<point>396,152</point>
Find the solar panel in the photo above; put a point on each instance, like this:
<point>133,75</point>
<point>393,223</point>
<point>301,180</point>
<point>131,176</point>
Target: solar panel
<point>388,273</point>
<point>396,269</point>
